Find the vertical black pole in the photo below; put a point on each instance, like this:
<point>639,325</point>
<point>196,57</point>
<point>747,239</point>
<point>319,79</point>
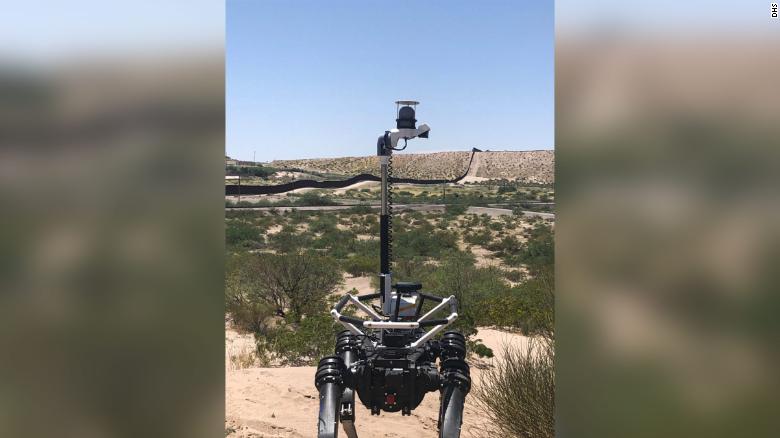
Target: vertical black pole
<point>383,151</point>
<point>384,244</point>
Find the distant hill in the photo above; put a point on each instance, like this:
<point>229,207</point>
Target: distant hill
<point>526,166</point>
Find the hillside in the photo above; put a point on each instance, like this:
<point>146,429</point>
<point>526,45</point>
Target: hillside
<point>526,166</point>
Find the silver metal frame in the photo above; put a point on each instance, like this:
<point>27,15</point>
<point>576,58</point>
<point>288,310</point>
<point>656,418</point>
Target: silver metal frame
<point>378,322</point>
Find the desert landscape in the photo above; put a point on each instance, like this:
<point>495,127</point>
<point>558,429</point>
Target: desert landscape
<point>499,265</point>
<point>535,167</point>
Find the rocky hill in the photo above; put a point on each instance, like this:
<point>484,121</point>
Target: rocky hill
<point>525,166</point>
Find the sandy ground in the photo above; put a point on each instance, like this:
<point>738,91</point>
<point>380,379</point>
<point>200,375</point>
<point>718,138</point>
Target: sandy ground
<point>289,174</point>
<point>485,257</point>
<point>303,190</point>
<point>360,185</point>
<point>357,186</point>
<point>471,179</point>
<point>274,229</point>
<point>239,350</point>
<point>283,403</point>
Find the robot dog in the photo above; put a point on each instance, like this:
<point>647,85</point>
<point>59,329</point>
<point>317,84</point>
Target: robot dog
<point>389,359</point>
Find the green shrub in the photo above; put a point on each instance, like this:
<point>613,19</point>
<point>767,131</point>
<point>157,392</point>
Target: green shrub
<point>258,171</point>
<point>246,312</point>
<point>480,237</point>
<point>361,265</point>
<point>419,222</point>
<point>480,349</point>
<point>242,234</point>
<point>517,395</point>
<point>296,217</point>
<point>455,209</point>
<point>414,269</point>
<point>360,209</point>
<point>471,286</point>
<point>538,252</point>
<point>366,248</point>
<point>496,226</point>
<point>293,285</point>
<point>538,303</point>
<point>339,243</point>
<point>423,241</point>
<point>529,306</point>
<point>506,246</point>
<point>514,276</point>
<point>323,223</point>
<point>288,240</point>
<point>314,199</point>
<point>300,343</point>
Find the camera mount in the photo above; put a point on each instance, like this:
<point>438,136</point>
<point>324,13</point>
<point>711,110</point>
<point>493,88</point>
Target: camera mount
<point>390,359</point>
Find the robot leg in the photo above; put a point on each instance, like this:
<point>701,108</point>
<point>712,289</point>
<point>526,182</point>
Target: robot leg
<point>329,381</point>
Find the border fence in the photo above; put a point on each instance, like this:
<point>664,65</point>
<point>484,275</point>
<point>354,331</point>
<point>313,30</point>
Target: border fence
<point>237,190</point>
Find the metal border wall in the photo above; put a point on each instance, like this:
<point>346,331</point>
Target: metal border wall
<point>233,190</point>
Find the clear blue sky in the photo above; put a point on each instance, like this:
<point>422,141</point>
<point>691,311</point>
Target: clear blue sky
<point>319,78</point>
<point>48,31</point>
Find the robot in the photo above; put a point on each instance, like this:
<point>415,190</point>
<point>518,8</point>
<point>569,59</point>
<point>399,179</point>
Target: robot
<point>389,359</point>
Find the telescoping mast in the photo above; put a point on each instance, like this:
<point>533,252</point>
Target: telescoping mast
<point>390,359</point>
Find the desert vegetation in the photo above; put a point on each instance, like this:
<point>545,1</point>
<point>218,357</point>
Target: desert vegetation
<point>502,193</point>
<point>285,269</point>
<point>517,395</point>
<point>525,166</point>
<point>258,171</point>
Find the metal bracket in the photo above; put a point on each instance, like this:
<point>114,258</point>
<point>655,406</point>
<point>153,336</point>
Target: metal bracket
<point>380,323</point>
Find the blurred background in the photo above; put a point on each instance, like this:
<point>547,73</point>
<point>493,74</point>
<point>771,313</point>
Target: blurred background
<point>111,192</point>
<point>668,218</point>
